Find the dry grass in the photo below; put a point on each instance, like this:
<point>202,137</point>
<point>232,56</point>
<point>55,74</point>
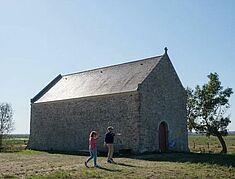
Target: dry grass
<point>34,164</point>
<point>31,164</point>
<point>201,143</point>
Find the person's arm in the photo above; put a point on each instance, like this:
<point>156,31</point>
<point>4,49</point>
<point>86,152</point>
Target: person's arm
<point>105,140</point>
<point>97,135</point>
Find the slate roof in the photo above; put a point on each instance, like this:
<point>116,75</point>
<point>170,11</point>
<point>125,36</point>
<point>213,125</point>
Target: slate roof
<point>107,80</point>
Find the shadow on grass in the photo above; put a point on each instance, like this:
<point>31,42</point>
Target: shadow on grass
<point>124,164</point>
<point>108,169</point>
<point>80,153</point>
<point>203,158</point>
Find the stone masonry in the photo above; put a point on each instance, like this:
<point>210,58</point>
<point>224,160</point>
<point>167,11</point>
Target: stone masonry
<point>65,112</point>
<point>65,125</point>
<point>163,98</point>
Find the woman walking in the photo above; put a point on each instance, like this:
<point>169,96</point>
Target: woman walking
<point>92,148</point>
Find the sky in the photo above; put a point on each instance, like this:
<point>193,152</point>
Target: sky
<point>40,39</point>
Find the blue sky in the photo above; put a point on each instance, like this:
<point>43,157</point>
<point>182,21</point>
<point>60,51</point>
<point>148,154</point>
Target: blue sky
<point>40,39</point>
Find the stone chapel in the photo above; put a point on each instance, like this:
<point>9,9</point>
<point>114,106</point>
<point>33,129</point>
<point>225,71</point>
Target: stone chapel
<point>143,100</point>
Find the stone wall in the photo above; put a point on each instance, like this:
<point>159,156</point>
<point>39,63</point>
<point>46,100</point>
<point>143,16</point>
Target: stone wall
<point>65,125</point>
<point>163,98</point>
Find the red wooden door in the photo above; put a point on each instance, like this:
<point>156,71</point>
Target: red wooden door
<point>163,137</point>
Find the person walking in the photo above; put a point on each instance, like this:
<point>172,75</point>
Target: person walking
<point>92,148</point>
<point>108,142</point>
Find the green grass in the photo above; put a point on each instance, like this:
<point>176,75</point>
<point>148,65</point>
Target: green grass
<point>169,165</point>
<point>30,152</point>
<point>14,143</point>
<point>36,165</point>
<point>202,162</point>
<point>197,143</point>
<point>58,174</point>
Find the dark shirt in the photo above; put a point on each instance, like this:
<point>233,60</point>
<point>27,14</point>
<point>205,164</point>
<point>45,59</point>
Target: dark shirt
<point>109,137</point>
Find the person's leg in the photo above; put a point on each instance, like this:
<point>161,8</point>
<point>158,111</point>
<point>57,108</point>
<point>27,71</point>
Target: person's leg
<point>109,151</point>
<point>91,156</point>
<point>95,157</point>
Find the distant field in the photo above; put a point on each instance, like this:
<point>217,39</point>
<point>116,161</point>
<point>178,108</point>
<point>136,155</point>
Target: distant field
<point>15,142</point>
<point>201,143</point>
<point>197,143</point>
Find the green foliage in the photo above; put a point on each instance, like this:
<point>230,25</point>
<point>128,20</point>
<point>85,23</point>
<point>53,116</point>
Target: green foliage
<point>207,106</point>
<point>191,112</point>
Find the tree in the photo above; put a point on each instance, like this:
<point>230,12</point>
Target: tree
<point>6,121</point>
<point>206,109</point>
<point>191,113</point>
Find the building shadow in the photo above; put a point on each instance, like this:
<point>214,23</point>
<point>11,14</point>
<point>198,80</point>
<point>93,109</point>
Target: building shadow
<point>227,160</point>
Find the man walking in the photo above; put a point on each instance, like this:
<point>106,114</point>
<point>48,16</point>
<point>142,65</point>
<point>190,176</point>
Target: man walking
<point>109,138</point>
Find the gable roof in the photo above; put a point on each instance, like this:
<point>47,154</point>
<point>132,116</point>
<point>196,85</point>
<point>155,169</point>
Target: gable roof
<point>107,80</point>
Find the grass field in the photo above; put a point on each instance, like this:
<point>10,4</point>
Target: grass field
<point>34,164</point>
<point>201,143</point>
<point>197,143</point>
<point>15,143</point>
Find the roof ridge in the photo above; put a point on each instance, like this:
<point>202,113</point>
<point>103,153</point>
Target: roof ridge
<point>111,66</point>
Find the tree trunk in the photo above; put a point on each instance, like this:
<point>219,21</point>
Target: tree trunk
<point>1,138</point>
<point>224,150</point>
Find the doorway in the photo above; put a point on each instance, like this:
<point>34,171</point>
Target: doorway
<point>163,131</point>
